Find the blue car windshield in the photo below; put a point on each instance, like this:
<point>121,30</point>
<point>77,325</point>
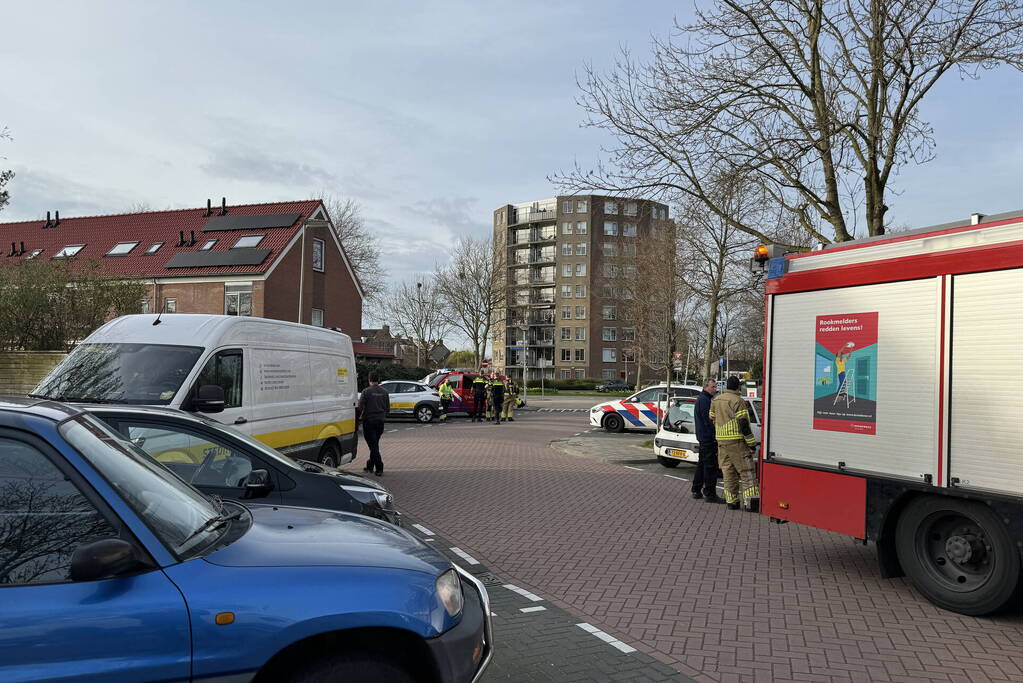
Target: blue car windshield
<point>172,509</point>
<point>142,374</point>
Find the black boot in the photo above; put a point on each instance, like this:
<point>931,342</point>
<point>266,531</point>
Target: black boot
<point>733,506</point>
<point>697,495</point>
<point>712,499</point>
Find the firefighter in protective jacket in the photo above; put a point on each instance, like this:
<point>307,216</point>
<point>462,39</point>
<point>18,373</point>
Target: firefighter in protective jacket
<point>735,443</point>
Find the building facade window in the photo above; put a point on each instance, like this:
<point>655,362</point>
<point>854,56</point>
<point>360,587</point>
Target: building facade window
<point>566,291</point>
<point>629,250</point>
<point>580,334</point>
<point>630,272</point>
<point>607,374</point>
<point>610,356</point>
<point>566,333</point>
<point>580,228</point>
<point>610,228</point>
<point>580,355</point>
<point>629,229</point>
<point>580,291</point>
<point>566,374</point>
<point>580,313</point>
<point>610,249</point>
<point>566,249</point>
<point>580,269</point>
<point>610,207</point>
<point>317,317</point>
<point>566,354</point>
<point>143,305</point>
<point>566,270</point>
<point>170,305</point>
<point>610,334</point>
<point>238,299</point>
<point>566,228</point>
<point>580,249</point>
<point>580,206</point>
<point>580,374</point>
<point>631,209</point>
<point>566,206</point>
<point>318,255</point>
<point>628,356</point>
<point>628,334</point>
<point>609,292</point>
<point>610,313</point>
<point>566,312</point>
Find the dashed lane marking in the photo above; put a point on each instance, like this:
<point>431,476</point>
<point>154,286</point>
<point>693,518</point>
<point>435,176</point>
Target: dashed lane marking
<point>609,639</point>
<point>538,608</point>
<point>391,430</point>
<point>465,556</point>
<point>523,592</point>
<point>422,528</point>
<point>630,467</point>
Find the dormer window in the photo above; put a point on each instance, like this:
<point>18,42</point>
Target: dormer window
<point>122,248</point>
<point>207,245</point>
<point>69,251</point>
<point>248,241</point>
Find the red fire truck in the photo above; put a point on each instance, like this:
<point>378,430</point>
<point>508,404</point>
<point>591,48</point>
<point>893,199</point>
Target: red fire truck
<point>883,421</point>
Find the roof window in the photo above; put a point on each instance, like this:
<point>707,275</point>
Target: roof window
<point>122,248</point>
<point>207,245</point>
<point>154,248</point>
<point>33,253</point>
<point>69,251</point>
<point>248,241</point>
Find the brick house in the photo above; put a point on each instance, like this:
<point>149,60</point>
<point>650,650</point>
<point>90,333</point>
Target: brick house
<point>278,260</point>
<point>405,351</point>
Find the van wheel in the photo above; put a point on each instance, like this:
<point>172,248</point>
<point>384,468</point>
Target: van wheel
<point>330,455</point>
<point>353,667</point>
<point>958,554</point>
<point>614,423</point>
<point>424,414</point>
<point>668,462</point>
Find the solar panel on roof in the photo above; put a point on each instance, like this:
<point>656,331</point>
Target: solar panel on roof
<point>233,257</point>
<point>270,220</point>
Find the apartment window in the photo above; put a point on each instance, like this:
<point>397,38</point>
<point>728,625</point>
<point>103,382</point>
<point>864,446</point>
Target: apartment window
<point>580,374</point>
<point>566,228</point>
<point>580,228</point>
<point>610,228</point>
<point>610,313</point>
<point>566,249</point>
<point>238,299</point>
<point>610,356</point>
<point>580,356</point>
<point>628,250</point>
<point>566,374</point>
<point>170,305</point>
<point>610,334</point>
<point>566,333</point>
<point>580,269</point>
<point>580,291</point>
<point>628,314</point>
<point>628,356</point>
<point>317,320</point>
<point>318,255</point>
<point>580,334</point>
<point>250,241</point>
<point>69,251</point>
<point>566,206</point>
<point>630,272</point>
<point>566,270</point>
<point>628,334</point>
<point>610,249</point>
<point>580,313</point>
<point>607,374</point>
<point>610,270</point>
<point>154,248</point>
<point>610,207</point>
<point>580,249</point>
<point>629,229</point>
<point>122,248</point>
<point>207,245</point>
<point>566,312</point>
<point>631,209</point>
<point>580,206</point>
<point>566,291</point>
<point>143,305</point>
<point>609,292</point>
<point>566,354</point>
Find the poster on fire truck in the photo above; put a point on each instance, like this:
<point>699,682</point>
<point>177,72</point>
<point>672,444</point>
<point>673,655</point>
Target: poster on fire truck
<point>845,373</point>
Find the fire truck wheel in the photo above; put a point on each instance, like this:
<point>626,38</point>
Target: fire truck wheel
<point>424,413</point>
<point>668,462</point>
<point>958,554</point>
<point>614,423</point>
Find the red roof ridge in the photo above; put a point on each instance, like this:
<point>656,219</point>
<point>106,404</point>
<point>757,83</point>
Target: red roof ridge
<point>215,207</point>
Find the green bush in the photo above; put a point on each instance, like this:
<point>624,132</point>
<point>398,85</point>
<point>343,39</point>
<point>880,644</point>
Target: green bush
<point>362,369</point>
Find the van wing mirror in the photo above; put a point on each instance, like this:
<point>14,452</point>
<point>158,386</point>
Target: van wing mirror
<point>209,399</point>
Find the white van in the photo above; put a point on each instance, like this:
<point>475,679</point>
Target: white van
<point>291,386</point>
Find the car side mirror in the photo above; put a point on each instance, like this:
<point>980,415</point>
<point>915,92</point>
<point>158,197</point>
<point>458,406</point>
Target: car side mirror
<point>105,558</point>
<point>258,483</point>
<point>209,399</point>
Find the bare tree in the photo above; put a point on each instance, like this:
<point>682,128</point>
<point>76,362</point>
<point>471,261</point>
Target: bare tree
<point>817,101</point>
<point>417,311</point>
<point>472,290</point>
<point>5,175</point>
<point>361,246</point>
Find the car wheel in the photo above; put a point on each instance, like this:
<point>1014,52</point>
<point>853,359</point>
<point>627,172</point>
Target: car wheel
<point>668,462</point>
<point>425,413</point>
<point>330,455</point>
<point>353,667</point>
<point>958,554</point>
<point>614,423</point>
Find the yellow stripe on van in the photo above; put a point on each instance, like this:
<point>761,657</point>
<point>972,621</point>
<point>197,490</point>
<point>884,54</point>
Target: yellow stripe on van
<point>292,437</point>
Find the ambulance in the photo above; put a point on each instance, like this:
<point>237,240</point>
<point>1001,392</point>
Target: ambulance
<point>880,421</point>
<point>291,386</point>
<point>642,410</point>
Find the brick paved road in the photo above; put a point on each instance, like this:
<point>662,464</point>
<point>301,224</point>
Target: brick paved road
<point>719,595</point>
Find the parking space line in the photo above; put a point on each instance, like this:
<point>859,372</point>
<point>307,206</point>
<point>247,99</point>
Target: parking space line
<point>672,476</point>
<point>523,592</point>
<point>538,608</point>
<point>607,638</point>
<point>422,528</point>
<point>630,467</point>
<point>465,556</point>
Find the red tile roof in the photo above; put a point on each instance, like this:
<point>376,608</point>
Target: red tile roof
<point>364,349</point>
<point>100,233</point>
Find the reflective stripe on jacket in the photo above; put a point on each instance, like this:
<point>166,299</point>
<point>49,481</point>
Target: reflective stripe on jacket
<point>730,417</point>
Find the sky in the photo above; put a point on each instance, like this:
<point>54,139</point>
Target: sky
<point>429,114</point>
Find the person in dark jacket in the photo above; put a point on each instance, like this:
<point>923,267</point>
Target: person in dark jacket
<point>374,405</point>
<point>705,481</point>
<point>480,387</point>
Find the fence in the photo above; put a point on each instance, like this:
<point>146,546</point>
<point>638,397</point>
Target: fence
<point>20,371</point>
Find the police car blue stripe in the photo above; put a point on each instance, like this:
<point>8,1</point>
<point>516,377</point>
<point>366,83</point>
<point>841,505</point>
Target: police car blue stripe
<point>630,417</point>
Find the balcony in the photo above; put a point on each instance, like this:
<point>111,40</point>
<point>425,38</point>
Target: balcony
<point>522,217</point>
<point>541,300</point>
<point>547,280</point>
<point>541,319</point>
<point>541,342</point>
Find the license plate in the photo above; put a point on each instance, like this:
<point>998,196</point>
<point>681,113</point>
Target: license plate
<point>677,453</point>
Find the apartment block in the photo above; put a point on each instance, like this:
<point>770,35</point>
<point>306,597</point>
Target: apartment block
<point>564,318</point>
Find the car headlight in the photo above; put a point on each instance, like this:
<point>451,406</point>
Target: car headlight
<point>365,494</point>
<point>449,590</point>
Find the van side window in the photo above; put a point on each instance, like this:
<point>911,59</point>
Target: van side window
<point>224,370</point>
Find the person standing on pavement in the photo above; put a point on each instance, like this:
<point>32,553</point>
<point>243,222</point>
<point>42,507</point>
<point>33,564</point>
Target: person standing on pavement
<point>445,392</point>
<point>479,397</point>
<point>497,394</point>
<point>735,442</point>
<point>508,409</point>
<point>705,481</point>
<point>374,405</point>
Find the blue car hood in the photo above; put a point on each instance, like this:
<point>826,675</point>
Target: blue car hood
<point>283,536</point>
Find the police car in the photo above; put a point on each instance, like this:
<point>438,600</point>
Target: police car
<point>412,398</point>
<point>639,411</point>
<point>676,441</point>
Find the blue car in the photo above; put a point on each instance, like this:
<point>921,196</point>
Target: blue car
<point>114,569</point>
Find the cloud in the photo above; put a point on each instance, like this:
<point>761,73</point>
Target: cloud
<point>252,165</point>
<point>459,215</point>
<point>35,192</point>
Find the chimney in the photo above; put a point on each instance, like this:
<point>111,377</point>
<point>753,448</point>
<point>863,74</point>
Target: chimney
<point>57,222</point>
<point>191,238</point>
<point>48,222</point>
<point>181,238</point>
<point>223,206</point>
<point>386,329</point>
<point>22,249</point>
<point>976,218</point>
<point>209,207</point>
<point>12,250</point>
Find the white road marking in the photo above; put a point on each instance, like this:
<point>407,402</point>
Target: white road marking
<point>523,592</point>
<point>609,639</point>
<point>538,608</point>
<point>423,529</point>
<point>672,476</point>
<point>630,467</point>
<point>408,428</point>
<point>391,430</point>
<point>465,556</point>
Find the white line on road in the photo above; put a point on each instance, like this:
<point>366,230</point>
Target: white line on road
<point>422,528</point>
<point>630,467</point>
<point>408,428</point>
<point>609,639</point>
<point>465,556</point>
<point>672,476</point>
<point>538,608</point>
<point>523,592</point>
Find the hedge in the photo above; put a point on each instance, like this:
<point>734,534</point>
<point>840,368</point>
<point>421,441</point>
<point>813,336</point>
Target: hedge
<point>388,372</point>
